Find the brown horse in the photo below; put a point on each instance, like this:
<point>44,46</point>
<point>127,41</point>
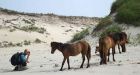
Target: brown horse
<point>121,39</point>
<point>72,49</point>
<point>97,49</point>
<point>105,43</point>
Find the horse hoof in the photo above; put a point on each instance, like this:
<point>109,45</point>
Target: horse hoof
<point>81,67</point>
<point>69,68</point>
<point>108,60</point>
<point>60,70</point>
<point>88,66</point>
<point>101,63</point>
<point>105,62</point>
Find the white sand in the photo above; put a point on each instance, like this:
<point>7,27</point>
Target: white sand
<point>43,62</point>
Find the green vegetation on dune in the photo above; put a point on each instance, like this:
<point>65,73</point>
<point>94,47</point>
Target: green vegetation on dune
<point>33,29</point>
<point>104,23</point>
<point>128,11</point>
<point>80,35</point>
<point>13,12</point>
<point>116,5</point>
<point>111,29</point>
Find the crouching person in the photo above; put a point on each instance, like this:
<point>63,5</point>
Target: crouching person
<point>20,60</point>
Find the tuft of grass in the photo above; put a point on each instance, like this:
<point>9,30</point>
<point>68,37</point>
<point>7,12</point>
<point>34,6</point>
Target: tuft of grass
<point>27,42</point>
<point>27,21</point>
<point>80,35</point>
<point>33,28</point>
<point>12,30</point>
<point>19,44</point>
<point>104,23</point>
<point>41,30</point>
<point>13,12</point>
<point>11,44</point>
<point>111,29</point>
<point>138,38</point>
<point>37,40</point>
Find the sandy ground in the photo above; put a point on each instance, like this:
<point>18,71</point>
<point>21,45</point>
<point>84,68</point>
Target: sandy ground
<point>43,62</point>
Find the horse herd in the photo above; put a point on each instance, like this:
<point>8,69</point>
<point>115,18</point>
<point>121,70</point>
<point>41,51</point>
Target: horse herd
<point>83,47</point>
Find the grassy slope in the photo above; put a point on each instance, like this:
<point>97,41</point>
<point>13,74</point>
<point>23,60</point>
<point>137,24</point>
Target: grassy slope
<point>128,11</point>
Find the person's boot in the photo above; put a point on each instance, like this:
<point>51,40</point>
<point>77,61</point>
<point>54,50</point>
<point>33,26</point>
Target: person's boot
<point>16,68</point>
<point>20,68</point>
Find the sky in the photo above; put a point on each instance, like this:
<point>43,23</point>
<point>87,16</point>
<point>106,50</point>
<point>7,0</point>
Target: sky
<point>90,8</point>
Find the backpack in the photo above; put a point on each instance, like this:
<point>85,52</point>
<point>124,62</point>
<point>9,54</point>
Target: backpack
<point>15,59</point>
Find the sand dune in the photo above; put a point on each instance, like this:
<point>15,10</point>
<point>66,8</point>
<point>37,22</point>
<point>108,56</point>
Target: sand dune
<point>43,62</point>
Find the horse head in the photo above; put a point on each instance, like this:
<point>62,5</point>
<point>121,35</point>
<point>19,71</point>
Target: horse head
<point>97,49</point>
<point>54,46</point>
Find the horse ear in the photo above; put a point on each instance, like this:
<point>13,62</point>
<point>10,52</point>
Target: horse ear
<point>52,43</point>
<point>60,44</point>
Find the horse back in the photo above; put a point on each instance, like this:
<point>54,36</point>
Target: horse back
<point>108,42</point>
<point>79,47</point>
<point>105,44</point>
<point>124,35</point>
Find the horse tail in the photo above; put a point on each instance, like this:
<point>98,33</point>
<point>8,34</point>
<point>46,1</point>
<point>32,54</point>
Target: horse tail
<point>89,51</point>
<point>101,50</point>
<point>126,38</point>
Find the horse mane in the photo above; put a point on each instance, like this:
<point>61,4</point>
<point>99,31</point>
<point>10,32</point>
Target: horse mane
<point>56,44</point>
<point>60,45</point>
<point>68,46</point>
<point>118,36</point>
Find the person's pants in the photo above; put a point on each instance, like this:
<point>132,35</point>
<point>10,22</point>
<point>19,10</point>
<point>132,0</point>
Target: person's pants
<point>23,64</point>
<point>20,66</point>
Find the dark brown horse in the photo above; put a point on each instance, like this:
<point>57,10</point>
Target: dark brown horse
<point>105,43</point>
<point>121,39</point>
<point>72,49</point>
<point>96,49</point>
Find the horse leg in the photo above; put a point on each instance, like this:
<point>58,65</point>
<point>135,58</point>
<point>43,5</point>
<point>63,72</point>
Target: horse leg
<point>113,52</point>
<point>63,63</point>
<point>101,57</point>
<point>119,49</point>
<point>123,48</point>
<point>88,58</point>
<point>83,56</point>
<point>108,54</point>
<point>101,62</point>
<point>104,58</point>
<point>68,63</point>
